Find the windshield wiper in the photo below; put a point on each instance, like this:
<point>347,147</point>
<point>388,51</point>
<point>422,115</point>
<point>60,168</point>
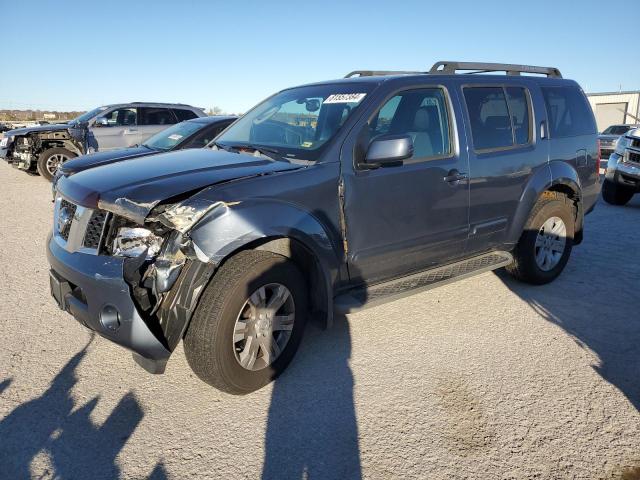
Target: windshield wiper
<point>264,151</point>
<point>220,146</point>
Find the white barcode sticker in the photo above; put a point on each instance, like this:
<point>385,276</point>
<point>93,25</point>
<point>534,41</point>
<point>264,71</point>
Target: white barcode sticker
<point>345,98</point>
<point>175,136</point>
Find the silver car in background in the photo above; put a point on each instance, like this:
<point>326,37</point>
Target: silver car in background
<point>44,148</point>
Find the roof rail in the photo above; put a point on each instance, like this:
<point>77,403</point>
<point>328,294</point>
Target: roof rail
<point>447,67</point>
<point>372,73</point>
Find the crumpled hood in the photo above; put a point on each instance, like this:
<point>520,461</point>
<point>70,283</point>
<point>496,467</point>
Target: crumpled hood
<point>92,160</point>
<point>133,187</point>
<point>56,127</point>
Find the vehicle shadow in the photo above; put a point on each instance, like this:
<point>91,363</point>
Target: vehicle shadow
<point>595,300</point>
<point>52,424</point>
<point>312,431</point>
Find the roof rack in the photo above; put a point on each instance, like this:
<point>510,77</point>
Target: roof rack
<point>447,68</point>
<point>376,73</point>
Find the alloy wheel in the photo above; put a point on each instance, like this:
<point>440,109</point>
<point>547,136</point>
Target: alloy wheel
<point>550,243</point>
<point>263,327</point>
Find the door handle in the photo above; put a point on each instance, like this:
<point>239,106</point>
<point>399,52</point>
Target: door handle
<point>130,131</point>
<point>454,177</point>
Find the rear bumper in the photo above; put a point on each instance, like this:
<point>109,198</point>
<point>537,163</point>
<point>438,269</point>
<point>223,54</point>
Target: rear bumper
<point>92,289</point>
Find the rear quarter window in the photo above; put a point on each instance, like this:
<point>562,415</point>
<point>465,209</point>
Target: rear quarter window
<point>568,111</point>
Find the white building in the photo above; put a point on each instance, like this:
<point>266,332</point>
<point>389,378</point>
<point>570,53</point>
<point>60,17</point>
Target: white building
<point>613,108</point>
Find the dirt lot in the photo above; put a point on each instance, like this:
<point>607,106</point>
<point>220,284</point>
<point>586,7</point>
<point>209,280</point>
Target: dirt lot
<point>485,378</point>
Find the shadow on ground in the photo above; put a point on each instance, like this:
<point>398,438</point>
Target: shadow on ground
<point>609,326</point>
<point>312,432</point>
<point>53,425</point>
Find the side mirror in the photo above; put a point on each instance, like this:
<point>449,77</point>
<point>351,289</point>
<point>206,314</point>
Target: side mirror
<point>101,122</point>
<point>388,150</point>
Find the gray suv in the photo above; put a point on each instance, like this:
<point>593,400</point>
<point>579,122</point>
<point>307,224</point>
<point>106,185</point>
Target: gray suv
<point>44,148</point>
<point>325,198</point>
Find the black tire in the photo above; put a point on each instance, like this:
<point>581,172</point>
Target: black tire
<point>208,342</point>
<point>525,267</point>
<point>615,194</point>
<point>43,158</point>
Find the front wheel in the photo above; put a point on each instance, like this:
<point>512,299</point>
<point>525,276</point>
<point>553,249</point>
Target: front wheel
<point>545,245</point>
<point>249,322</point>
<point>50,160</point>
<point>615,194</point>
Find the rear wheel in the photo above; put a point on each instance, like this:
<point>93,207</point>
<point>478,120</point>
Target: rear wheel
<point>50,160</point>
<point>615,194</point>
<point>249,322</point>
<point>545,245</point>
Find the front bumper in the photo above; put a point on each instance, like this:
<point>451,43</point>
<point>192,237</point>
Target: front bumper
<point>622,172</point>
<point>92,289</point>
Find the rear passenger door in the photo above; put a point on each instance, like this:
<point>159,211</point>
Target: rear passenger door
<point>153,119</point>
<point>503,156</point>
<point>413,215</point>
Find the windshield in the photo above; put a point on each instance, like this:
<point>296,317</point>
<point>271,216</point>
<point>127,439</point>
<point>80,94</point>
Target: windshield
<point>88,115</point>
<point>617,130</point>
<point>170,137</point>
<point>297,123</point>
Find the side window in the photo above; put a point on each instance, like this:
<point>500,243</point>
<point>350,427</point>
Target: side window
<point>156,116</point>
<point>382,122</point>
<point>121,117</point>
<point>500,117</point>
<point>489,116</point>
<point>568,111</point>
<point>421,114</point>
<point>520,116</point>
<point>183,115</point>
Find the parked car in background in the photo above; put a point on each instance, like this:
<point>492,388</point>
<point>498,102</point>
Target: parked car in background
<point>622,179</point>
<point>4,128</point>
<point>332,196</point>
<point>44,148</point>
<point>195,133</point>
<point>608,139</point>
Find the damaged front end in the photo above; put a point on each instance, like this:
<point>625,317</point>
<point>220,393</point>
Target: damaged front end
<point>23,147</point>
<point>163,268</point>
<point>129,238</point>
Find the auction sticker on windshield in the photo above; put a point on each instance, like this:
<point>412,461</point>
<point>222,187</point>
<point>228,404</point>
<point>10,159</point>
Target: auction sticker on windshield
<point>345,98</point>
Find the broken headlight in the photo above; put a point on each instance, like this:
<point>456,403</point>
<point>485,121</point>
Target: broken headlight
<point>134,241</point>
<point>182,217</point>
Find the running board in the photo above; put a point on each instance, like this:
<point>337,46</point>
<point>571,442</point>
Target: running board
<point>365,297</point>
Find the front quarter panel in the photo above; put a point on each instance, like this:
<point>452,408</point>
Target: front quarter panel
<point>301,204</point>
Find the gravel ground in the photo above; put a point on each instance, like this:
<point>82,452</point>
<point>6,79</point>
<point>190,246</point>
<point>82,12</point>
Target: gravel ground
<point>484,378</point>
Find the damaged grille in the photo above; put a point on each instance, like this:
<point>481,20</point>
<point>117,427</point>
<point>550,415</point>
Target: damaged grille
<point>95,227</point>
<point>80,227</point>
<point>65,218</point>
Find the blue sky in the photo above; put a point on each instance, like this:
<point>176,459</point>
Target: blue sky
<point>76,54</point>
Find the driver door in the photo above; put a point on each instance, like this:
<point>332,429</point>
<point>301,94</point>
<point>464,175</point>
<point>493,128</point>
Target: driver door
<point>120,130</point>
<point>412,215</point>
